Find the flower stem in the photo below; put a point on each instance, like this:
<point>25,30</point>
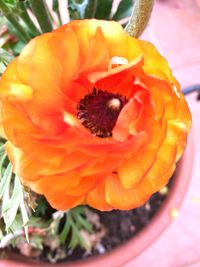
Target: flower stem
<point>41,12</point>
<point>140,16</point>
<point>26,18</point>
<point>21,33</point>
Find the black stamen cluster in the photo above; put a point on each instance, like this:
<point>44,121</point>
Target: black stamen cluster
<point>95,112</point>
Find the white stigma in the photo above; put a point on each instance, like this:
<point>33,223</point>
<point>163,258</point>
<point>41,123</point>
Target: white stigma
<point>117,61</point>
<point>114,103</point>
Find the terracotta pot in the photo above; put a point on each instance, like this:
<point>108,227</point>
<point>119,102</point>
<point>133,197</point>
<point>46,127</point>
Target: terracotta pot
<point>198,2</point>
<point>135,246</point>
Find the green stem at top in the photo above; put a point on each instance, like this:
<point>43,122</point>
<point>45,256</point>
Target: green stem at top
<point>140,17</point>
<point>41,12</point>
<point>21,33</point>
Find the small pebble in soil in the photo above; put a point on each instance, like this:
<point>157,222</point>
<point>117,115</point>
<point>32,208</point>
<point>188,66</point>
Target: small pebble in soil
<point>164,191</point>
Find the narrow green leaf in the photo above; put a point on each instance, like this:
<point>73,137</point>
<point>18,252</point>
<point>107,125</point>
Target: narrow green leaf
<point>17,223</point>
<point>10,2</point>
<point>12,20</point>
<point>5,56</point>
<point>90,10</point>
<point>84,223</point>
<point>21,8</point>
<point>2,21</point>
<point>74,241</point>
<point>124,10</point>
<point>38,222</point>
<point>5,181</point>
<point>18,48</point>
<point>77,210</point>
<point>55,5</point>
<point>2,149</point>
<point>41,12</point>
<point>103,9</point>
<point>2,160</point>
<point>10,208</point>
<point>66,229</point>
<point>57,11</point>
<point>25,217</point>
<point>2,68</point>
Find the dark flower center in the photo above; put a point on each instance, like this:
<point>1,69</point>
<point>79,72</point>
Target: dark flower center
<point>99,110</point>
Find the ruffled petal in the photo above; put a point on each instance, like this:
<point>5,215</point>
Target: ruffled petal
<point>124,199</point>
<point>52,151</point>
<point>96,198</point>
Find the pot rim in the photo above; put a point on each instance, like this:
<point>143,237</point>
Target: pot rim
<point>136,245</point>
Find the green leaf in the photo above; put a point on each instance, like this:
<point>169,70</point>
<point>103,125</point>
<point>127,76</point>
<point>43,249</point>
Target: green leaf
<point>17,223</point>
<point>2,161</point>
<point>5,181</point>
<point>66,230</point>
<point>75,221</point>
<point>76,238</point>
<point>24,213</point>
<point>10,207</point>
<point>55,5</point>
<point>42,207</point>
<point>5,57</point>
<point>2,21</point>
<point>103,9</point>
<point>2,68</point>
<point>11,204</point>
<point>18,48</point>
<point>77,8</point>
<point>56,10</point>
<point>124,10</point>
<point>39,222</point>
<point>10,3</point>
<point>2,148</point>
<point>90,10</point>
<point>84,223</point>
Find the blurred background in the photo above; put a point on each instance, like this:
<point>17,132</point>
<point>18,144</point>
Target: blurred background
<point>174,29</point>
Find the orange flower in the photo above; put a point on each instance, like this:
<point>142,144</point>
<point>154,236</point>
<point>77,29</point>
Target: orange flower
<point>93,116</point>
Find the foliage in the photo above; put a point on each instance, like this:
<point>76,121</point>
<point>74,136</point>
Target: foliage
<point>74,222</point>
<point>21,26</point>
<point>11,196</point>
<point>100,9</point>
<point>5,58</point>
<point>124,10</point>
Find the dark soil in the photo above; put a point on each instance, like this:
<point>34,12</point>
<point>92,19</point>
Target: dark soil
<point>122,225</point>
